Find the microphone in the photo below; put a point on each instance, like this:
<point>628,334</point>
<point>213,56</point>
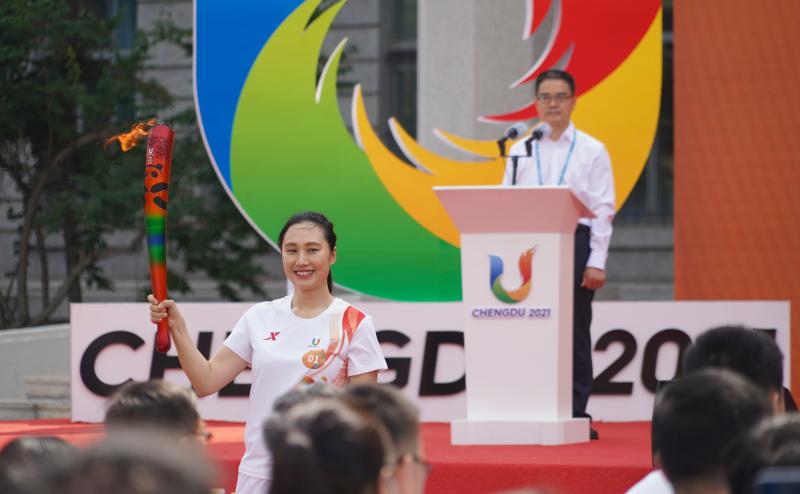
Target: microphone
<point>538,133</point>
<point>516,130</point>
<point>512,132</point>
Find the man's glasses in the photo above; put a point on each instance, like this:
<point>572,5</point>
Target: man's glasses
<point>558,97</point>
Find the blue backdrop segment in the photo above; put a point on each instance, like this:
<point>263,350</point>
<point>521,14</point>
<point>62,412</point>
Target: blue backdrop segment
<point>228,38</point>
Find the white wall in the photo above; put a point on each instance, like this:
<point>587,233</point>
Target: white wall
<point>33,351</point>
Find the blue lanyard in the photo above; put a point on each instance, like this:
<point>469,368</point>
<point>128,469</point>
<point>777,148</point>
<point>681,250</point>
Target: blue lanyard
<point>566,161</point>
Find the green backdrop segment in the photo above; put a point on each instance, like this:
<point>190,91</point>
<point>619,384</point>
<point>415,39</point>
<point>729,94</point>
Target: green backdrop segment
<point>290,153</point>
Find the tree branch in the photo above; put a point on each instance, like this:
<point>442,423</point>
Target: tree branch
<point>15,172</point>
<point>6,314</point>
<point>45,271</point>
<point>84,261</point>
<point>31,206</point>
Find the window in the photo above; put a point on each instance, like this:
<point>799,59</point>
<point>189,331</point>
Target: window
<point>400,61</point>
<point>124,11</point>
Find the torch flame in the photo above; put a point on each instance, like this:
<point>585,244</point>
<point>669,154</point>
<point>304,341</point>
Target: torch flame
<point>127,140</point>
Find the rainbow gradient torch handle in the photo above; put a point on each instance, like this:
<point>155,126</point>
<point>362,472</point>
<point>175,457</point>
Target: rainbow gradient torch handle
<point>158,158</point>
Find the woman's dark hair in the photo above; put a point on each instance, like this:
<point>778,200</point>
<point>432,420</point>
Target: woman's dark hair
<point>323,446</point>
<point>321,221</point>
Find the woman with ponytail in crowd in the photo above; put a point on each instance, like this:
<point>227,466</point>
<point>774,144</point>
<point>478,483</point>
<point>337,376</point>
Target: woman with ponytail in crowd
<point>306,337</point>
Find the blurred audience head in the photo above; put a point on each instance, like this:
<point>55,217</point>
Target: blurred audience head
<point>298,395</point>
<point>323,446</point>
<point>303,393</point>
<point>400,417</point>
<point>775,442</point>
<point>26,458</point>
<point>698,420</point>
<point>156,405</point>
<point>133,463</point>
<point>751,353</point>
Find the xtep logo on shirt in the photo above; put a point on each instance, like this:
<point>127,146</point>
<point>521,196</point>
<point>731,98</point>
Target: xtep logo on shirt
<point>272,336</point>
<point>496,276</point>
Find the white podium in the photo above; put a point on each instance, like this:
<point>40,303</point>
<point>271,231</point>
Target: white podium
<point>517,247</point>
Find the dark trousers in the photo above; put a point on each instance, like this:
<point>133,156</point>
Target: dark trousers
<point>581,321</point>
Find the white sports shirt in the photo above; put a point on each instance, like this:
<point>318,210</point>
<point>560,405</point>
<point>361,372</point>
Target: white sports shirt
<point>586,170</point>
<point>284,350</point>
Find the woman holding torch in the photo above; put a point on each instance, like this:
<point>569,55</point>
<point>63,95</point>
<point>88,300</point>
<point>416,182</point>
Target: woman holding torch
<point>308,336</point>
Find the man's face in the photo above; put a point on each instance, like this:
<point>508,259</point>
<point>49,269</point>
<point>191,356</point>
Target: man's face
<point>555,102</point>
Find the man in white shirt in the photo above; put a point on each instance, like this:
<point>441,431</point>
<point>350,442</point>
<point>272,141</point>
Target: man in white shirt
<point>567,156</point>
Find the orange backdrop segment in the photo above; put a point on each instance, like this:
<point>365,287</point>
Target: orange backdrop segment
<point>737,153</point>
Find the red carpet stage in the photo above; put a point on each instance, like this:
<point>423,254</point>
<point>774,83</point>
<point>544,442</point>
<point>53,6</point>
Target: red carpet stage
<point>610,465</point>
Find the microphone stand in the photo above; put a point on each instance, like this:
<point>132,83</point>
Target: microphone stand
<point>536,135</point>
<point>514,160</point>
<point>501,143</point>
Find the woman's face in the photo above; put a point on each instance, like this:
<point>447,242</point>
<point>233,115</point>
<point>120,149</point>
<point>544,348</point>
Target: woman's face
<point>307,257</point>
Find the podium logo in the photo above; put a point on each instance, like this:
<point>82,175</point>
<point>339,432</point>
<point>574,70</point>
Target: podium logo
<point>496,278</point>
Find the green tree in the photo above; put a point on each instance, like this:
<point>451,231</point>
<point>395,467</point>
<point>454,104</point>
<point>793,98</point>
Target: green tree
<point>64,87</point>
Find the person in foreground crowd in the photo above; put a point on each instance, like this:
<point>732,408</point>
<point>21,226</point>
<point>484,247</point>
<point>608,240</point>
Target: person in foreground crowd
<point>136,463</point>
<point>382,403</point>
<point>322,446</point>
<point>749,353</point>
<point>303,393</point>
<point>568,156</point>
<point>298,395</point>
<point>156,406</point>
<point>26,458</point>
<point>773,443</point>
<point>697,422</point>
<point>400,417</point>
<point>308,336</point>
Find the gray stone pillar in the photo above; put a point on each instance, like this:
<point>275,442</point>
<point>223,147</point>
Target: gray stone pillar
<point>469,52</point>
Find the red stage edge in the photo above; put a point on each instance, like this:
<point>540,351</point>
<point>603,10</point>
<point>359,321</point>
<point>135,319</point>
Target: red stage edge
<point>611,465</point>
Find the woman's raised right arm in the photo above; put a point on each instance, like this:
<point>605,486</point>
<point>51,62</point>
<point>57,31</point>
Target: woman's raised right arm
<point>207,376</point>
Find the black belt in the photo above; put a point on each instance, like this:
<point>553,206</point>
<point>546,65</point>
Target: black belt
<point>583,228</point>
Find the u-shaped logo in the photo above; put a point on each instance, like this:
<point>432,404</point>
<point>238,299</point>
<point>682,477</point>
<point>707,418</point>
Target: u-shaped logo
<point>525,271</point>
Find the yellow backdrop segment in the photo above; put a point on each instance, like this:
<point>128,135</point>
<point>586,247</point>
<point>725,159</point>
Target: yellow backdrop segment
<point>413,189</point>
<point>622,111</point>
<point>449,171</point>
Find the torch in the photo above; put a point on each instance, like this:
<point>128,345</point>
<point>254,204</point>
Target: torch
<point>158,158</point>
